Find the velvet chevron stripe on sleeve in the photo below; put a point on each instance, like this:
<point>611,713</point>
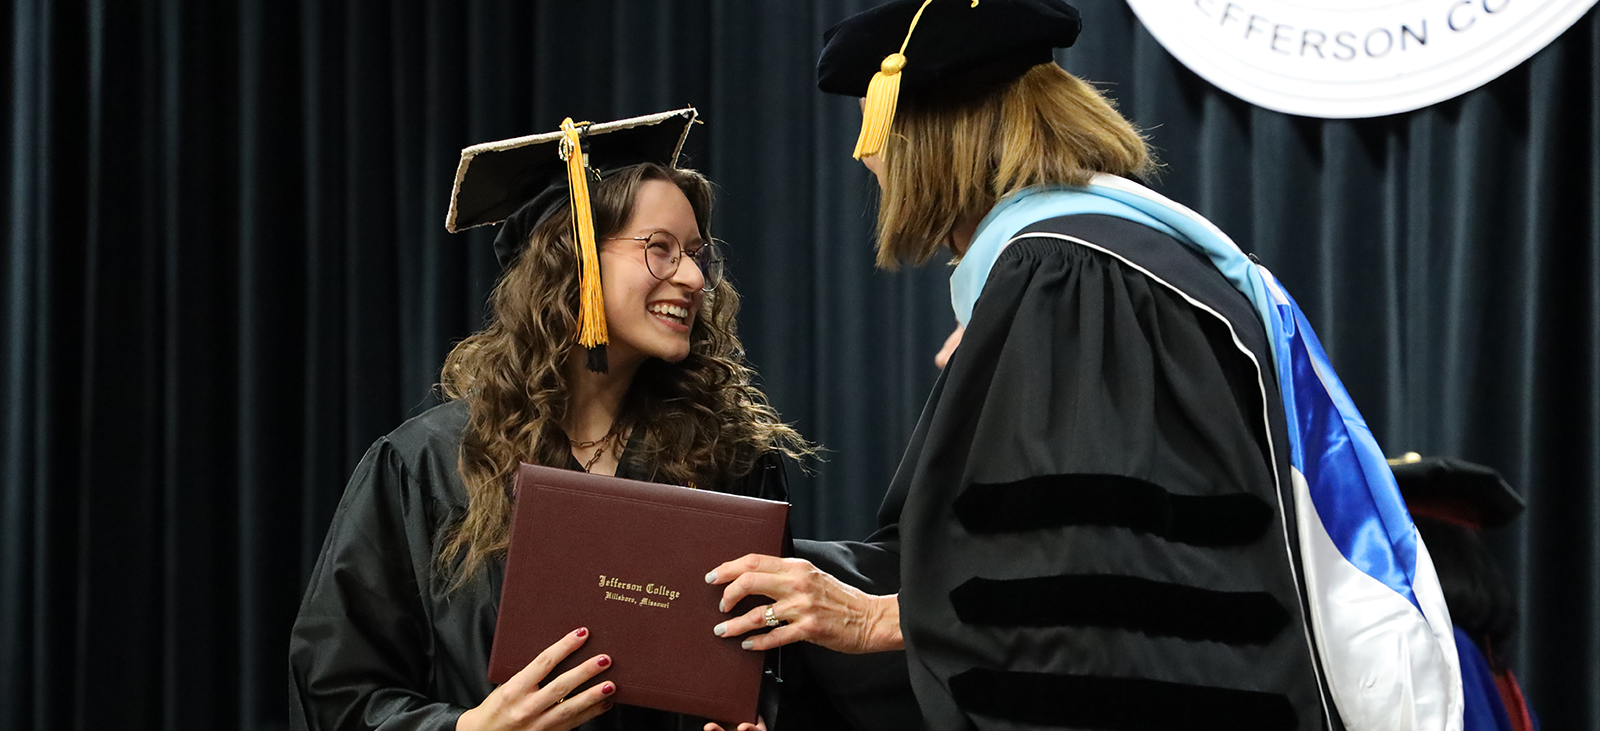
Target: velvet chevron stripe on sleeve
<point>1054,501</point>
<point>1155,608</point>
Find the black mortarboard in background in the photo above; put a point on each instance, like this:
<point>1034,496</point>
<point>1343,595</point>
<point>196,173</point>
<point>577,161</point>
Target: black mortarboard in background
<point>522,180</point>
<point>1456,491</point>
<point>1453,501</point>
<point>959,48</point>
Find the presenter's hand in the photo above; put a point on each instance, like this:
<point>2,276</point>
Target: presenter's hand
<point>942,358</point>
<point>759,725</point>
<point>810,605</point>
<point>526,703</point>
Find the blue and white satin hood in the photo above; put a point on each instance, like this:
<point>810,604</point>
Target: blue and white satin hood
<point>1378,615</point>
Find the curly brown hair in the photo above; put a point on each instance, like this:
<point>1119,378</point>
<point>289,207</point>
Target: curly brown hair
<point>700,420</point>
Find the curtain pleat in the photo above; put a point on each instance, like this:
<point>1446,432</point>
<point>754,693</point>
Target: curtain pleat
<point>226,274</point>
<point>16,500</point>
<point>1583,435</point>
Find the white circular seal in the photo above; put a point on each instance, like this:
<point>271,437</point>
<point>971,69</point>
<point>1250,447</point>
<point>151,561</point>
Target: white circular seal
<point>1354,58</point>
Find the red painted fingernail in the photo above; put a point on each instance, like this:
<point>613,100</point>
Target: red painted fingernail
<point>604,662</point>
<point>608,688</point>
<point>608,705</point>
<point>582,632</point>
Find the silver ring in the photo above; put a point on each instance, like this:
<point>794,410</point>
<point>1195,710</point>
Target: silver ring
<point>772,616</point>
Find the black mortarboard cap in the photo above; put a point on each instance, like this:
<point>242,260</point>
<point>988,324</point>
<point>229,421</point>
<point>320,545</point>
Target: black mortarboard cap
<point>520,180</point>
<point>937,50</point>
<point>957,48</point>
<point>1456,491</point>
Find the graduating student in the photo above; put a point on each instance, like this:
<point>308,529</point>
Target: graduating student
<point>1138,497</point>
<point>611,349</point>
<point>1453,502</point>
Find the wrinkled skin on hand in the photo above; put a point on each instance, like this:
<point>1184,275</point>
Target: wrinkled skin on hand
<point>815,606</point>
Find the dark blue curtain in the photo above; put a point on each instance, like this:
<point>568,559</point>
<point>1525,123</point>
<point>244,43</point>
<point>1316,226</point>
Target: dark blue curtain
<point>226,273</point>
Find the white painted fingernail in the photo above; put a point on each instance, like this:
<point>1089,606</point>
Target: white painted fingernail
<point>748,644</point>
<point>719,629</point>
<point>711,578</point>
<point>720,603</point>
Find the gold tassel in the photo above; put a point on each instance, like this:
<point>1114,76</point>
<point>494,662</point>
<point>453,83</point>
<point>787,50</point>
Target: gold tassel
<point>883,94</point>
<point>877,115</point>
<point>591,302</point>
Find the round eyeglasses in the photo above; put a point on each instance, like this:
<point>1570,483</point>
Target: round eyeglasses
<point>663,254</point>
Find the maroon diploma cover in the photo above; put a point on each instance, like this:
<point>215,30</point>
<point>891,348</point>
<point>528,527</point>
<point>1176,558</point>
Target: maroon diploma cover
<point>628,560</point>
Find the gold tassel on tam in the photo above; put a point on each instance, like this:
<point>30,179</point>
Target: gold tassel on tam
<point>591,302</point>
<point>883,93</point>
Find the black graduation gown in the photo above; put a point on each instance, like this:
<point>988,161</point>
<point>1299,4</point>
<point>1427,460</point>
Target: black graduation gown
<point>1087,529</point>
<point>379,643</point>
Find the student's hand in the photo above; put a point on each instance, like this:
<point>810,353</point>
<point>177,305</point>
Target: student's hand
<point>523,704</point>
<point>813,605</point>
<point>759,725</point>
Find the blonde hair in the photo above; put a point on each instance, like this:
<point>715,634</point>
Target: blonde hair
<point>947,164</point>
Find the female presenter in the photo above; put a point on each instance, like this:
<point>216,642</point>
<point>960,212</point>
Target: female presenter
<point>1138,497</point>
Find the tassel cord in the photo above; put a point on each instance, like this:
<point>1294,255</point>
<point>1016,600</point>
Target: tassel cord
<point>592,313</point>
<point>883,94</point>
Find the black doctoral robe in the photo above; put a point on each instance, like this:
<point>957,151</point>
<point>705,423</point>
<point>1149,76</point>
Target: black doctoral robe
<point>379,642</point>
<point>1087,529</point>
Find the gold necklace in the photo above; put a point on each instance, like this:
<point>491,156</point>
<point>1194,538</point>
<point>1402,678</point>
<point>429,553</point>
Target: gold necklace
<point>603,443</point>
<point>585,445</point>
<point>596,458</point>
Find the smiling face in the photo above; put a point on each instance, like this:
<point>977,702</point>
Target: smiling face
<point>648,317</point>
